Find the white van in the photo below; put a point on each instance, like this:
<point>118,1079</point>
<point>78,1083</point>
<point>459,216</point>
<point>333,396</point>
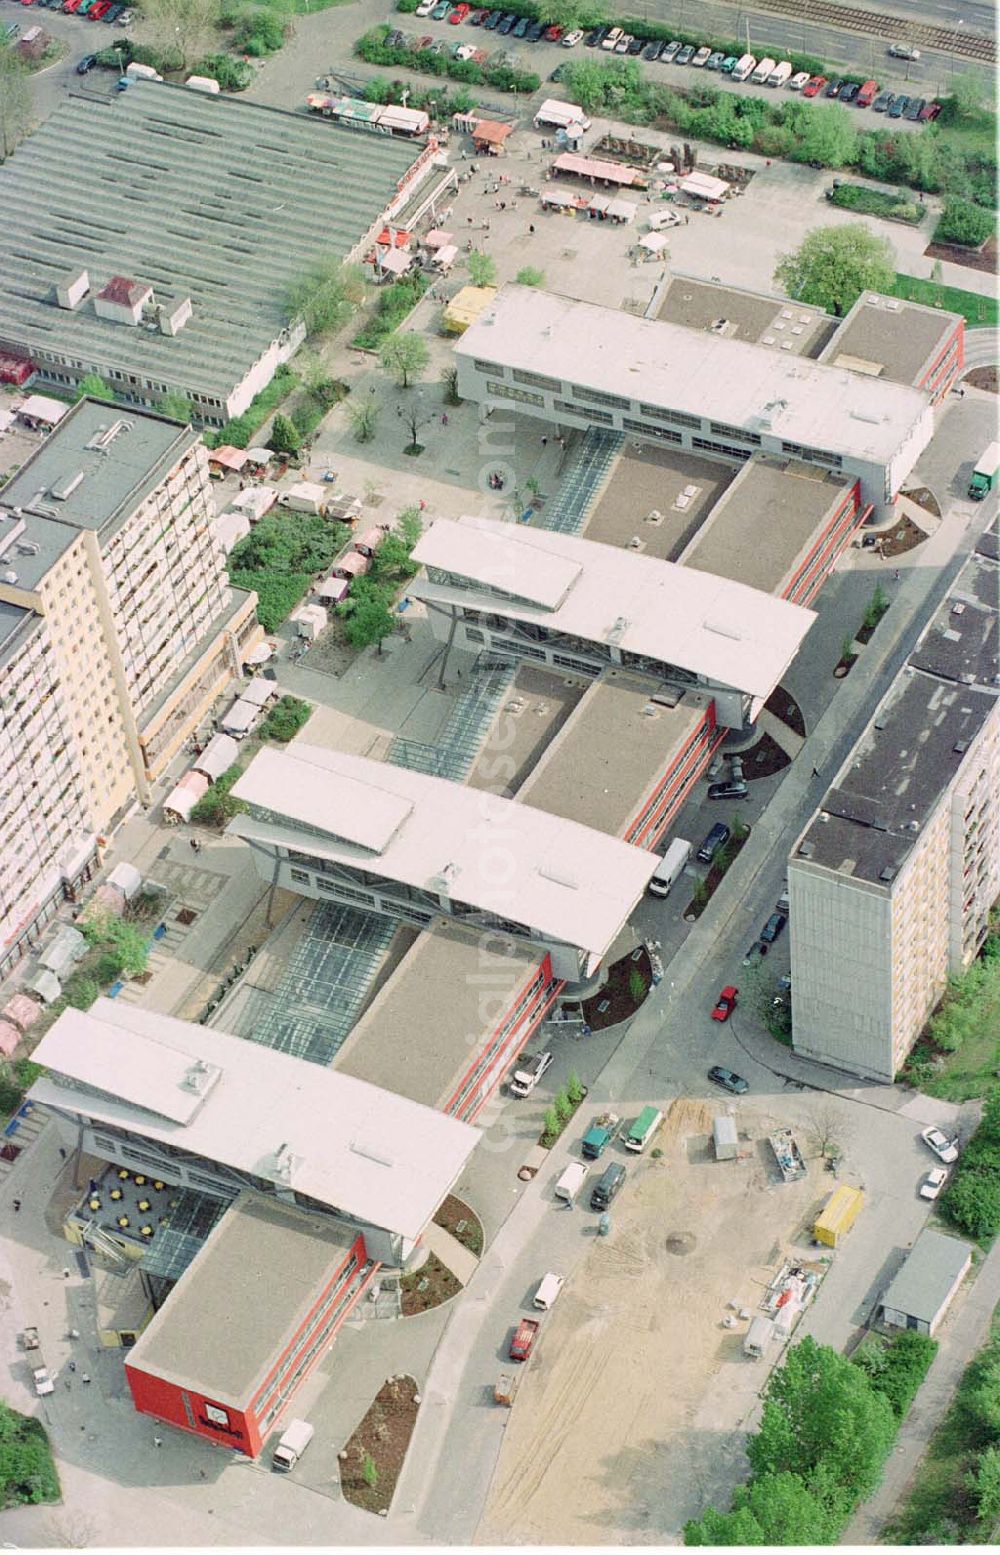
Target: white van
<point>758,1337</point>
<point>743,67</point>
<point>571,1181</point>
<point>657,220</point>
<point>781,74</point>
<point>669,867</point>
<point>547,1291</point>
<point>763,71</point>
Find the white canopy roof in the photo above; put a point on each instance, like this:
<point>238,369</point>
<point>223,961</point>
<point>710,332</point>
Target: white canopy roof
<point>217,757</point>
<point>560,879</point>
<point>365,1151</point>
<point>240,718</point>
<point>730,634</point>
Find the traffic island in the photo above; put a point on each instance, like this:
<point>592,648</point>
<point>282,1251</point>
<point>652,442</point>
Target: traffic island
<point>626,988</point>
<point>372,1461</point>
<point>427,1286</point>
<point>462,1223</point>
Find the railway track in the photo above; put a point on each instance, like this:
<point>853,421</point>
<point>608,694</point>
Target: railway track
<point>878,24</point>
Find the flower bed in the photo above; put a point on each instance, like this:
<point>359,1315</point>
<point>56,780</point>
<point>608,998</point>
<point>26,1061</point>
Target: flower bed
<point>372,1461</point>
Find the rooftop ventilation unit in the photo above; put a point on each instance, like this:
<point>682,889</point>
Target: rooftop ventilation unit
<point>67,487</point>
<point>9,577</point>
<point>27,548</point>
<point>888,873</point>
<point>285,1163</point>
<point>198,1077</point>
<point>806,850</point>
<point>371,1154</point>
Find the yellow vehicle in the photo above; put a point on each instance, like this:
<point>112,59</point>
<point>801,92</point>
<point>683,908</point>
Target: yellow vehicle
<point>838,1216</point>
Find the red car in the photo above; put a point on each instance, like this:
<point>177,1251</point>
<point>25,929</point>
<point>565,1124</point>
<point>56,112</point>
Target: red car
<point>69,6</point>
<point>814,86</point>
<point>459,14</point>
<point>552,34</point>
<point>725,1004</point>
<point>930,111</point>
<point>97,11</point>
<point>478,17</point>
<point>523,1339</point>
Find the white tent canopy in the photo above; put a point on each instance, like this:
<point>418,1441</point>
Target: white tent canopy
<point>185,796</point>
<point>217,757</point>
<point>127,878</point>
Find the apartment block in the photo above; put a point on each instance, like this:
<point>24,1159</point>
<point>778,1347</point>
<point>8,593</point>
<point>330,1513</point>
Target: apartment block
<point>122,629</point>
<point>892,882</point>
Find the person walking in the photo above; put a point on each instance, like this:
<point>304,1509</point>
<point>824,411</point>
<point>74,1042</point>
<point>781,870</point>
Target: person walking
<point>17,1206</point>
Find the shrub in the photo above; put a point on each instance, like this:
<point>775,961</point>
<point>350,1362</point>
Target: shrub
<point>574,1090</point>
<point>27,1470</point>
<point>219,806</point>
<point>259,33</point>
<point>288,715</point>
<point>896,1367</point>
<point>241,429</point>
<point>550,1123</point>
<point>530,276</point>
<point>563,1107</point>
<point>407,7</point>
<point>963,222</point>
<point>284,436</point>
<point>233,75</point>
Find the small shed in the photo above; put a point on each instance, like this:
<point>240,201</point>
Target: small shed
<point>926,1285</point>
<point>260,691</point>
<point>389,261</point>
<point>311,620</point>
<point>127,878</point>
<point>21,1010</point>
<point>255,501</point>
<point>65,950</point>
<point>258,459</point>
<point>445,257</point>
<point>622,212</point>
<point>353,565</point>
<point>333,590</point>
<point>725,1138</point>
<point>489,137</point>
<point>178,805</point>
<point>466,306</point>
<point>239,720</point>
<point>39,411</point>
<point>231,527</point>
<point>47,986</point>
<point>368,542</point>
<point>217,757</point>
<point>438,238</point>
<point>702,186</point>
<point>9,1039</point>
<point>226,460</point>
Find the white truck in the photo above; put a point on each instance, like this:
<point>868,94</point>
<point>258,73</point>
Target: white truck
<point>669,867</point>
<point>530,1068</point>
<point>294,1441</point>
<point>304,497</point>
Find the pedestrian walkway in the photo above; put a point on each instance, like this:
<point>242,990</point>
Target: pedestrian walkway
<point>964,1332</point>
<point>783,736</point>
<point>452,1254</point>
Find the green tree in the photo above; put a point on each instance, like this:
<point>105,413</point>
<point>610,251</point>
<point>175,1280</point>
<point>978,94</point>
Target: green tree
<point>972,1203</point>
<point>106,931</point>
<point>177,406</point>
<point>530,275</point>
<point>482,269</point>
<point>259,33</point>
<point>363,417</point>
<point>550,1123</point>
<point>777,1509</point>
<point>182,29</point>
<point>92,385</point>
<point>563,1107</point>
<point>449,377</point>
<point>316,377</point>
<point>392,562</point>
<point>233,75</point>
<point>825,133</point>
<point>834,265</point>
<point>405,356</point>
<point>15,98</point>
<point>984,1483</point>
<point>284,435</point>
<point>574,1090</point>
<point>821,1412</point>
<point>367,614</point>
<point>325,296</point>
<point>288,715</point>
<point>569,14</point>
<point>369,1471</point>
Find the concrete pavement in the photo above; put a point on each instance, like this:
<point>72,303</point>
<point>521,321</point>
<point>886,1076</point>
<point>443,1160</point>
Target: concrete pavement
<point>963,1333</point>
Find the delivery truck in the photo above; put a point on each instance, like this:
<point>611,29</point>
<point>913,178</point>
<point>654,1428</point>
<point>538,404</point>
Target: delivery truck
<point>984,476</point>
<point>294,1441</point>
<point>669,867</point>
<point>758,1337</point>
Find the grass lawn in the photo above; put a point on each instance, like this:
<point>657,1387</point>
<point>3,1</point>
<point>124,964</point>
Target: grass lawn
<point>939,1508</point>
<point>977,309</point>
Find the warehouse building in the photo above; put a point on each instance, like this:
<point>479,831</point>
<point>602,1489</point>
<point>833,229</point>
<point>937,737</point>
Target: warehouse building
<point>574,605</point>
<point>340,827</point>
<point>927,1284</point>
<point>577,364</point>
<point>119,630</point>
<point>893,879</point>
<point>178,235</point>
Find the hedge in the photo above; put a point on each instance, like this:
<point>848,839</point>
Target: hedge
<point>873,202</point>
<point>395,303</point>
<point>241,429</point>
<point>374,50</point>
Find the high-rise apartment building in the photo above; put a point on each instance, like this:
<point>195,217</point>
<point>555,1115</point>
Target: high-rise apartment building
<point>121,629</point>
<point>892,882</point>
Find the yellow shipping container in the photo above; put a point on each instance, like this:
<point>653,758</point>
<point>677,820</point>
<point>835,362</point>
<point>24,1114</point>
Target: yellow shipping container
<point>841,1211</point>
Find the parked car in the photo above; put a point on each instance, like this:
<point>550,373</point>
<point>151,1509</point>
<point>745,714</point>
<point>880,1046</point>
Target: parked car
<point>736,768</point>
<point>87,63</point>
<point>596,37</point>
<point>653,50</point>
<point>772,928</point>
<point>441,10</point>
<point>458,15</point>
<point>126,19</point>
<point>882,102</point>
<point>849,91</point>
<point>902,51</point>
<point>523,1338</point>
<point>478,17</point>
<point>929,113</point>
<point>622,46</point>
<point>914,109</point>
<point>781,905</point>
<point>898,106</point>
<point>725,1004</point>
<point>715,61</point>
<point>866,95</point>
<point>392,39</point>
<point>686,55</point>
<point>702,57</point>
<point>799,81</point>
<point>425,7</point>
<point>11,30</point>
<point>670,52</point>
<point>438,46</point>
<point>507,24</point>
<point>730,789</point>
<point>423,42</point>
<point>716,838</point>
<point>535,32</point>
<point>464,51</point>
<point>734,1083</point>
<point>493,21</point>
<point>835,87</point>
<point>521,26</point>
<point>553,34</point>
<point>944,1148</point>
<point>814,86</point>
<point>934,1182</point>
<point>729,64</point>
<point>636,46</point>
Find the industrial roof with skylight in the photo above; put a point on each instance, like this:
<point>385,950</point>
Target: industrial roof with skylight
<point>564,881</point>
<point>722,631</point>
<point>354,1147</point>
